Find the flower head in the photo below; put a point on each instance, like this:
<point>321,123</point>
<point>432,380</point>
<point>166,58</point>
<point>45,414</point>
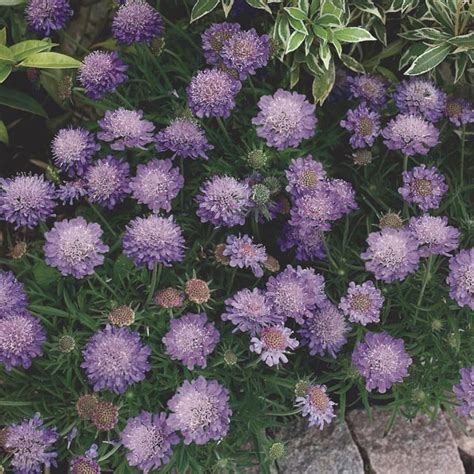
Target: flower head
<point>343,194</point>
<point>121,316</point>
<point>105,415</point>
<point>197,291</point>
<point>362,303</point>
<point>71,191</point>
<point>214,38</point>
<point>459,111</point>
<point>461,278</point>
<point>464,392</point>
<point>45,16</point>
<point>364,125</point>
<point>308,242</point>
<point>85,405</point>
<point>243,253</point>
<point>12,294</point>
<point>273,343</point>
<point>304,175</point>
<point>169,298</point>
<point>85,464</point>
<point>316,406</point>
<point>369,88</point>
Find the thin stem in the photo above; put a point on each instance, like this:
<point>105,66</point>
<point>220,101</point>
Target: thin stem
<point>102,219</point>
<point>463,141</point>
<point>105,285</point>
<point>405,169</point>
<point>123,99</point>
<point>223,129</point>
<point>328,253</point>
<point>155,278</point>
<point>426,279</point>
<point>232,278</point>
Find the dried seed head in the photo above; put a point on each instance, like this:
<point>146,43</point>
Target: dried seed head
<point>169,298</point>
<point>105,416</point>
<point>18,250</point>
<point>122,316</point>
<point>219,255</point>
<point>3,437</point>
<point>362,157</point>
<point>272,264</point>
<point>392,220</point>
<point>66,344</point>
<point>85,406</point>
<point>197,291</point>
<point>64,88</point>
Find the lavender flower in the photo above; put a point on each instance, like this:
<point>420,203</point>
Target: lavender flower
<point>200,410</point>
<point>115,358</point>
<point>125,129</point>
<point>365,125</point>
<point>381,360</point>
<point>71,191</point>
<point>410,134</point>
<point>392,254</point>
<point>304,175</point>
<point>243,253</point>
<point>212,93</point>
<point>461,278</point>
<point>136,21</point>
<point>156,184</point>
<point>423,186</point>
<point>191,339</point>
<point>75,247</point>
<point>459,111</point>
<point>214,38</point>
<point>12,294</point>
<point>85,463</point>
<point>26,200</point>
<point>362,303</point>
<point>102,72</point>
<point>273,343</point>
<point>343,195</point>
<point>45,16</point>
<point>369,88</point>
<point>223,201</point>
<point>308,242</point>
<point>316,406</point>
<point>285,119</point>
<point>464,392</point>
<point>153,240</point>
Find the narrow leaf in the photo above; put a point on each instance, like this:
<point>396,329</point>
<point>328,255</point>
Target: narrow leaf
<point>353,35</point>
<point>17,100</point>
<point>29,47</point>
<point>5,71</point>
<point>429,59</point>
<point>3,36</point>
<point>352,64</point>
<point>50,61</point>
<point>294,41</point>
<point>6,54</point>
<point>296,13</point>
<point>202,7</point>
<point>323,83</point>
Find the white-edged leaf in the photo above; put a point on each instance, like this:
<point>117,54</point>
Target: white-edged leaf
<point>323,83</point>
<point>3,133</point>
<point>283,29</point>
<point>337,47</point>
<point>50,61</point>
<point>11,3</point>
<point>352,34</point>
<point>298,25</point>
<point>296,13</point>
<point>26,48</point>
<point>325,54</point>
<point>429,59</point>
<point>352,64</point>
<point>463,41</point>
<point>294,42</point>
<point>320,32</point>
<point>3,36</point>
<point>260,4</point>
<point>227,6</point>
<point>368,6</point>
<point>202,8</point>
<point>460,66</point>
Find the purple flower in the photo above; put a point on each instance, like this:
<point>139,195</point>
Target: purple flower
<point>316,406</point>
<point>365,125</point>
<point>250,311</point>
<point>369,88</point>
<point>423,186</point>
<point>420,97</point>
<point>381,360</point>
<point>362,303</point>
<point>73,150</point>
<point>71,191</point>
<point>185,138</point>
<point>392,254</point>
<point>156,184</point>
<point>461,278</point>
<point>295,292</point>
<point>45,16</point>
<point>343,195</point>
<point>213,40</point>
<point>285,119</point>
<point>273,343</point>
<point>12,294</point>
<point>340,90</point>
<point>107,182</point>
<point>304,175</point>
<point>464,392</point>
<point>212,93</point>
<point>85,463</point>
<point>308,242</point>
<point>31,445</point>
<point>115,358</point>
<point>434,235</point>
<point>243,253</point>
<point>102,72</point>
<point>200,410</point>
<point>125,129</point>
<point>410,134</point>
<point>153,240</point>
<point>149,441</point>
<point>75,247</point>
<point>136,21</point>
<point>26,200</point>
<point>191,339</point>
<point>325,330</point>
<point>223,201</point>
<point>21,338</point>
<point>459,111</point>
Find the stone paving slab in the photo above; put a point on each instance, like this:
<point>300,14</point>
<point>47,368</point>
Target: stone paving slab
<point>463,433</point>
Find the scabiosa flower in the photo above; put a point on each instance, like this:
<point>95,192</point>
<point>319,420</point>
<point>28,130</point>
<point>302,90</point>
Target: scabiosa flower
<point>115,358</point>
<point>200,410</point>
<point>71,191</point>
<point>156,184</point>
<point>365,125</point>
<point>381,360</point>
<point>304,175</point>
<point>423,186</point>
<point>392,254</point>
<point>191,339</point>
<point>464,392</point>
<point>26,200</point>
<point>223,201</point>
<point>420,97</point>
<point>136,21</point>
<point>459,111</point>
<point>362,303</point>
<point>316,406</point>
<point>213,40</point>
<point>86,463</point>
<point>121,316</point>
<point>185,138</point>
<point>243,253</point>
<point>308,242</point>
<point>102,72</point>
<point>75,247</point>
<point>85,405</point>
<point>31,443</point>
<point>197,291</point>
<point>12,293</point>
<point>273,343</point>
<point>107,182</point>
<point>461,278</point>
<point>125,129</point>
<point>212,93</point>
<point>148,439</point>
<point>21,338</point>
<point>153,240</point>
<point>105,415</point>
<point>45,16</point>
<point>369,88</point>
<point>343,194</point>
<point>410,134</point>
<point>169,298</point>
<point>285,119</point>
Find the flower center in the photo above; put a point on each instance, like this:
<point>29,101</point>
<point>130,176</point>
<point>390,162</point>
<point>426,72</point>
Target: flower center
<point>365,126</point>
<point>422,187</point>
<point>469,279</point>
<point>218,39</point>
<point>274,339</point>
<point>317,398</point>
<point>453,108</point>
<point>361,303</point>
<point>308,178</point>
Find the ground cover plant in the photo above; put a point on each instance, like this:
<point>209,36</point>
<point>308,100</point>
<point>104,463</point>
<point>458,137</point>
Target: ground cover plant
<point>226,232</point>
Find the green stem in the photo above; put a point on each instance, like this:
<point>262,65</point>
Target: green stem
<point>405,169</point>
<point>232,278</point>
<point>426,279</point>
<point>223,129</point>
<point>105,285</point>
<point>124,100</point>
<point>102,219</point>
<point>463,141</point>
<point>328,253</point>
<point>155,278</point>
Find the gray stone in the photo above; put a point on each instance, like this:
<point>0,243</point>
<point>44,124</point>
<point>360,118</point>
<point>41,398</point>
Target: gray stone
<point>312,451</point>
<point>463,432</point>
<point>418,446</point>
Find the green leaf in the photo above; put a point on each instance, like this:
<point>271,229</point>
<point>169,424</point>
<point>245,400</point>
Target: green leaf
<point>298,25</point>
<point>325,54</point>
<point>369,7</point>
<point>283,28</point>
<point>20,101</point>
<point>463,41</point>
<point>227,6</point>
<point>337,47</point>
<point>329,20</point>
<point>11,3</point>
<point>294,74</point>
<point>429,59</point>
<point>440,12</point>
<point>202,7</point>
<point>3,133</point>
<point>295,41</point>
<point>296,13</point>
<point>460,66</point>
<point>320,32</point>
<point>308,42</point>
<point>352,64</point>
<point>5,54</point>
<point>5,71</point>
<point>323,83</point>
<point>26,48</point>
<point>50,61</point>
<point>353,35</point>
<point>314,7</point>
<point>3,36</point>
<point>261,4</point>
<point>303,5</point>
<point>45,275</point>
<point>412,52</point>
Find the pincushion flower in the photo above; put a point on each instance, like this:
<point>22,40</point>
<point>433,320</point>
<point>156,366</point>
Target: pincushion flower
<point>45,16</point>
<point>115,358</point>
<point>191,339</point>
<point>125,129</point>
<point>243,253</point>
<point>86,463</point>
<point>149,440</point>
<point>105,415</point>
<point>343,194</point>
<point>101,72</point>
<point>153,240</point>
<point>75,247</point>
<point>381,360</point>
<point>459,111</point>
<point>304,175</point>
<point>461,278</point>
<point>26,200</point>
<point>464,392</point>
<point>156,184</point>
<point>169,298</point>
<point>392,254</point>
<point>362,303</point>
<point>307,241</point>
<point>369,88</point>
<point>214,38</point>
<point>12,294</point>
<point>316,406</point>
<point>285,119</point>
<point>364,125</point>
<point>71,191</point>
<point>200,410</point>
<point>273,343</point>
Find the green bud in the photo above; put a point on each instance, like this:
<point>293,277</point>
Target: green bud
<point>66,344</point>
<point>52,174</point>
<point>362,157</point>
<point>273,184</point>
<point>437,325</point>
<point>300,388</point>
<point>257,159</point>
<point>230,358</point>
<point>260,194</point>
<point>276,451</point>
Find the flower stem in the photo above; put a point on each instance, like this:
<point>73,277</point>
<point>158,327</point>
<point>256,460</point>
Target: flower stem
<point>426,279</point>
<point>105,285</point>
<point>102,219</point>
<point>155,278</point>
<point>223,129</point>
<point>463,141</point>
<point>405,169</point>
